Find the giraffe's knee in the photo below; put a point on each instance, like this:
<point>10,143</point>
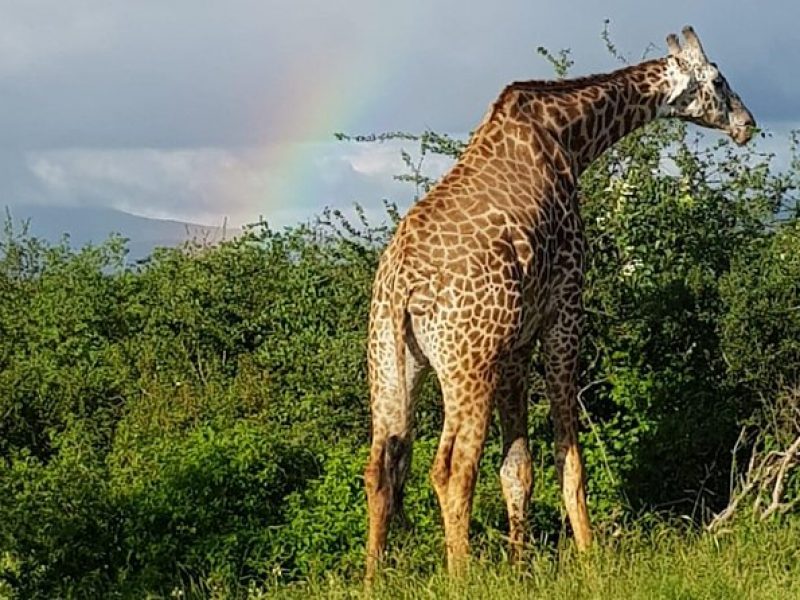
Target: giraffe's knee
<point>516,474</point>
<point>573,468</point>
<point>373,475</point>
<point>371,481</point>
<point>560,455</point>
<point>440,475</point>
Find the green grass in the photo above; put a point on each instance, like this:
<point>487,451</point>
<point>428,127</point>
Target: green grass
<point>752,561</point>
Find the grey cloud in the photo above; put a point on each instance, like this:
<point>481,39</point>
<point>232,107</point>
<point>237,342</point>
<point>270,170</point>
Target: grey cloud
<point>181,73</point>
<point>207,185</point>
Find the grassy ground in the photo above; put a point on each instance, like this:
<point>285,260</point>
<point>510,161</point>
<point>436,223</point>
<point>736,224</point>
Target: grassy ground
<point>752,561</point>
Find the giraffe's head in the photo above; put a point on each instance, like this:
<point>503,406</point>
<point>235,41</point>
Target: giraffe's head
<point>698,92</point>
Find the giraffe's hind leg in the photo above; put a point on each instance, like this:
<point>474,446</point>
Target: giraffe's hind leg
<point>467,409</point>
<point>390,451</point>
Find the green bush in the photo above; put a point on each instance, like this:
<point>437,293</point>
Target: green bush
<point>59,531</point>
<point>205,502</point>
<point>761,328</point>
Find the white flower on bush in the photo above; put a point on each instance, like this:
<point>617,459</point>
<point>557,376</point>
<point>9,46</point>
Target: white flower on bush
<point>630,267</point>
<point>620,190</point>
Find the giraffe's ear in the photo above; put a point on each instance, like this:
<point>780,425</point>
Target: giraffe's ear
<point>673,44</point>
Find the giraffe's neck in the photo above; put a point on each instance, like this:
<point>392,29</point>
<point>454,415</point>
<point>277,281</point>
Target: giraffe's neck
<point>588,115</point>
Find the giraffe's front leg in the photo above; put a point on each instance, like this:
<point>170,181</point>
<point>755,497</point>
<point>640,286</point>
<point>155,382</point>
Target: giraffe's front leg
<point>516,474</point>
<point>562,343</point>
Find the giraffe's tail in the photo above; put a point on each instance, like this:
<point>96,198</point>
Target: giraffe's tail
<point>399,317</point>
<point>397,456</point>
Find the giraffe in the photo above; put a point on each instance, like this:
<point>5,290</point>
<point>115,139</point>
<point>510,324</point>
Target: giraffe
<point>491,260</point>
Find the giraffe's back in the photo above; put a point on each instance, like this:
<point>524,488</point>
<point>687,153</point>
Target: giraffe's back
<point>477,270</point>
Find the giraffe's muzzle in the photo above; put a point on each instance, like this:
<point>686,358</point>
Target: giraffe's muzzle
<point>743,125</point>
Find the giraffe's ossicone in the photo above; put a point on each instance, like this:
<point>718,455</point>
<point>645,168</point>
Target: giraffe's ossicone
<point>490,261</point>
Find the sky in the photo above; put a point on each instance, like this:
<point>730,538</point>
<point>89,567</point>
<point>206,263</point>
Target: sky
<point>200,111</point>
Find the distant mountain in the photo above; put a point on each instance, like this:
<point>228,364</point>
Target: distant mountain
<point>94,225</point>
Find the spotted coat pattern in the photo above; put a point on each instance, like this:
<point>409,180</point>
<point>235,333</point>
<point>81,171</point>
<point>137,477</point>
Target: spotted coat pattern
<point>488,262</point>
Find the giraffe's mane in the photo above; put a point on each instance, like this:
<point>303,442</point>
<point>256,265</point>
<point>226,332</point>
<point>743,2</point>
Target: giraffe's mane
<point>575,83</point>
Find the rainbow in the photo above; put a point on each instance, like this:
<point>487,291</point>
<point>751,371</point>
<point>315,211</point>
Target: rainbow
<point>312,108</point>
